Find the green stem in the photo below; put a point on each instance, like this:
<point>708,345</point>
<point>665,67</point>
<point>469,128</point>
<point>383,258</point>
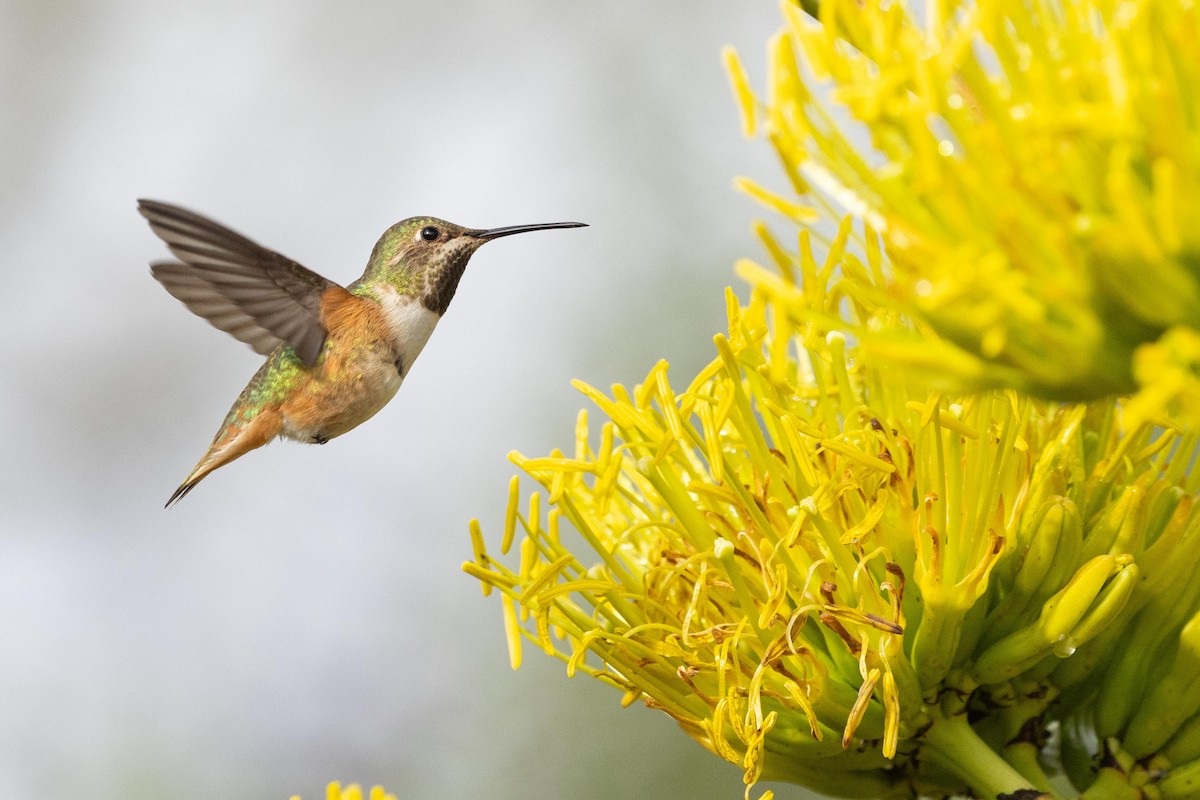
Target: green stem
<point>953,744</point>
<point>1023,756</point>
<point>1111,784</point>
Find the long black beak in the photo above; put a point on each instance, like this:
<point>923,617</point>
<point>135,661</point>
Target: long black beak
<point>496,233</point>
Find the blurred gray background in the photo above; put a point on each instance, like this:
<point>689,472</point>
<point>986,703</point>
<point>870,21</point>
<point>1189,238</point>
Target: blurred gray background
<point>301,617</point>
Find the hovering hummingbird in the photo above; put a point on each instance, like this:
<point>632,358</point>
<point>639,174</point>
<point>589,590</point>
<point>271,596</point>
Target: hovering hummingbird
<point>335,355</point>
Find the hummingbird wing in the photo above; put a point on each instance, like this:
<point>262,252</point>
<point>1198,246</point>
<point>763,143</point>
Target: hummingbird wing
<point>257,295</point>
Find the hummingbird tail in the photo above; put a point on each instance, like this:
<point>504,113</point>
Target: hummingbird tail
<point>230,444</point>
<point>182,491</point>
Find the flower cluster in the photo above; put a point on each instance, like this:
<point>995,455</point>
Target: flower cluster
<point>827,576</point>
<point>862,550</point>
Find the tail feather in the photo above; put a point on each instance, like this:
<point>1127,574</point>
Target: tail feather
<point>229,445</point>
<point>182,491</point>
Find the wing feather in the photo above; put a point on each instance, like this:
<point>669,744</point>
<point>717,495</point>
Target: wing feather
<point>252,293</point>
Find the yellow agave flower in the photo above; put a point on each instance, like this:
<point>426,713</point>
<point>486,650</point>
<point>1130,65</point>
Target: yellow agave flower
<point>1034,170</point>
<point>827,573</point>
<point>833,579</point>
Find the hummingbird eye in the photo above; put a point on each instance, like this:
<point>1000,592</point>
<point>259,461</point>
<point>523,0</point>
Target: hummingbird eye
<point>430,233</point>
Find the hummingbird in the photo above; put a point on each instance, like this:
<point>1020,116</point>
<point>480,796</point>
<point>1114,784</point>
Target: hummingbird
<point>335,355</point>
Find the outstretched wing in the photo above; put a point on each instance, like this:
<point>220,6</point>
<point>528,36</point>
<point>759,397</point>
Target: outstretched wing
<point>255,294</point>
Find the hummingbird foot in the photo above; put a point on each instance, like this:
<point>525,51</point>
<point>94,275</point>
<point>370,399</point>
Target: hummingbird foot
<point>319,438</point>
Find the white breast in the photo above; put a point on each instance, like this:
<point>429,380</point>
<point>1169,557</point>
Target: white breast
<point>411,323</point>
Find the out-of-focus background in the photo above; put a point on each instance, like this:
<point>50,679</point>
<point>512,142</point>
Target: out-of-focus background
<point>301,617</point>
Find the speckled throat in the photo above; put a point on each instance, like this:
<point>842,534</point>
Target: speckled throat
<point>442,277</point>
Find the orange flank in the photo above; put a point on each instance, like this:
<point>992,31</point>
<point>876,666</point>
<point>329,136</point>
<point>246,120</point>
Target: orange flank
<point>351,321</point>
<point>347,377</point>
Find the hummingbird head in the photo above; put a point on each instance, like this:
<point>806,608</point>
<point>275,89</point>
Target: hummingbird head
<point>425,257</point>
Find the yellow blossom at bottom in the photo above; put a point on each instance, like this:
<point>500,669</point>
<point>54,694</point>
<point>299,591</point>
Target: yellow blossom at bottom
<point>335,791</point>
